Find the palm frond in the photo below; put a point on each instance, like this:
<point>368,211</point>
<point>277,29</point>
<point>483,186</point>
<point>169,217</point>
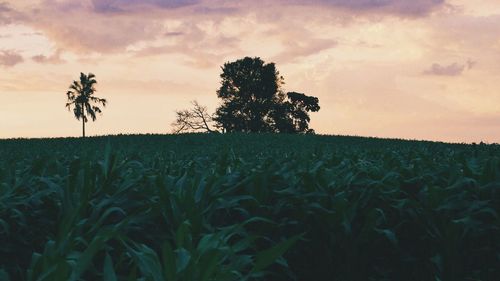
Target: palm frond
<point>71,95</point>
<point>90,111</point>
<point>77,86</point>
<point>69,104</point>
<point>99,101</point>
<point>96,109</point>
<point>77,111</point>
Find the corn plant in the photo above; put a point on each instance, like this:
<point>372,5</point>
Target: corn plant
<point>248,207</point>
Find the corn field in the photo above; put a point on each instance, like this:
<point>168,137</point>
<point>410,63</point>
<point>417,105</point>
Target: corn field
<point>217,207</point>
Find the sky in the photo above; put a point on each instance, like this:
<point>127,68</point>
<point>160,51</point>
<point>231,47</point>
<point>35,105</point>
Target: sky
<point>412,69</point>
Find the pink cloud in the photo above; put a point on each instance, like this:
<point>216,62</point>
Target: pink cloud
<point>122,6</point>
<point>303,47</point>
<point>10,58</point>
<point>397,7</point>
<point>105,26</point>
<point>454,69</point>
<point>7,14</point>
<point>51,59</point>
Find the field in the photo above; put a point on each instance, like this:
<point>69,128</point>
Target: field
<point>206,207</point>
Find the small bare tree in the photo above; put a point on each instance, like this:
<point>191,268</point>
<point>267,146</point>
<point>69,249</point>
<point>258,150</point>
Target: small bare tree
<point>193,120</point>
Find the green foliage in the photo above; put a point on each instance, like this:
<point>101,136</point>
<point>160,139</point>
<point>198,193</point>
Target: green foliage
<point>248,207</point>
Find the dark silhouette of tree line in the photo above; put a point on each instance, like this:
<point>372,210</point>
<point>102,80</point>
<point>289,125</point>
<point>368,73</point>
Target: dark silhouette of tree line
<point>252,97</point>
<point>253,100</point>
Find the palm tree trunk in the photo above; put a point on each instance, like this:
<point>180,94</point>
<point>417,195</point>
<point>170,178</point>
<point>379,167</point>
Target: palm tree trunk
<point>83,120</point>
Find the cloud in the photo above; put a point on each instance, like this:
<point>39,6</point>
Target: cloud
<point>101,34</point>
<point>122,6</point>
<point>467,32</point>
<point>397,7</point>
<point>7,14</point>
<point>4,8</point>
<point>107,26</point>
<point>173,33</point>
<point>401,8</point>
<point>200,49</point>
<point>51,59</point>
<point>470,63</point>
<point>302,48</point>
<point>454,69</point>
<point>10,58</point>
<point>222,10</point>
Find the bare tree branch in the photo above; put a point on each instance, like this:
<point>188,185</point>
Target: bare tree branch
<point>193,120</point>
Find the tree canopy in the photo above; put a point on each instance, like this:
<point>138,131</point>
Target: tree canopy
<point>253,100</point>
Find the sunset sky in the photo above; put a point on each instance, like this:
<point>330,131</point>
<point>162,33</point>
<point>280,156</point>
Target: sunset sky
<point>414,69</point>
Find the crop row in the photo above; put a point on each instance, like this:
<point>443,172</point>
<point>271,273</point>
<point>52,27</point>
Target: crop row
<point>248,208</point>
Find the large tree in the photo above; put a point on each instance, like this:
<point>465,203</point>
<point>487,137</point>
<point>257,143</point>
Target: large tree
<point>81,98</point>
<point>253,100</point>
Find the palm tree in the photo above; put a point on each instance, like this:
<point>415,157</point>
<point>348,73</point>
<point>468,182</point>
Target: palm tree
<point>80,97</point>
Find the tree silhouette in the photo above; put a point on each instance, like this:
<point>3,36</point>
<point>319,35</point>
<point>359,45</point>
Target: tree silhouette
<point>294,117</point>
<point>253,100</point>
<point>193,120</point>
<point>81,99</point>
